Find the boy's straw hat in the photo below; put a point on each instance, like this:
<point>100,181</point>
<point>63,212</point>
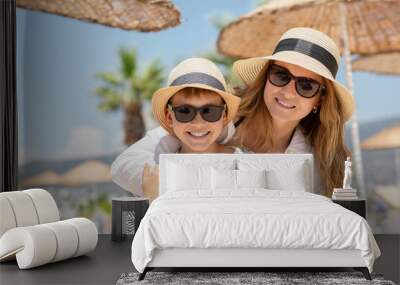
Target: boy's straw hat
<point>197,73</point>
<point>308,48</point>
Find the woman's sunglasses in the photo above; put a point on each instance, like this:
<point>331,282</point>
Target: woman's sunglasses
<point>305,87</point>
<point>186,113</point>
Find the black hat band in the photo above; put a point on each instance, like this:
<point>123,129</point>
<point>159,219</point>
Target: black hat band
<point>308,48</point>
<point>198,78</point>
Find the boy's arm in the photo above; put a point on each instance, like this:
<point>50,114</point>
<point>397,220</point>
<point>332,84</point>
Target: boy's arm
<point>127,169</point>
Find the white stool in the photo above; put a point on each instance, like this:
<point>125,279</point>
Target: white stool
<point>31,230</point>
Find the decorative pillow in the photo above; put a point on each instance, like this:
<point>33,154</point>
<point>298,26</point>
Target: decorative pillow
<point>199,160</point>
<point>226,179</point>
<point>223,179</point>
<point>294,180</point>
<point>181,177</point>
<point>282,173</point>
<point>251,179</point>
<point>171,180</point>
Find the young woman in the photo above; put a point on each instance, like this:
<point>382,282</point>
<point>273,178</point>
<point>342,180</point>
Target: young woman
<point>291,104</point>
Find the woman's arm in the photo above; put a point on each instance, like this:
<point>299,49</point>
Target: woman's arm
<point>227,133</point>
<point>127,169</point>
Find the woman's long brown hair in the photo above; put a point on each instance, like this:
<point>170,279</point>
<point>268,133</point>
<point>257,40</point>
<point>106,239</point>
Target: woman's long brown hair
<point>324,131</point>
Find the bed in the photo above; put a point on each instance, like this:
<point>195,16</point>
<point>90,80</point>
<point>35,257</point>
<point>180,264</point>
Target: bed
<point>246,210</point>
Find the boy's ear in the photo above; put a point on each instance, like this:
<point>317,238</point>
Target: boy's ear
<point>168,117</point>
<point>225,115</point>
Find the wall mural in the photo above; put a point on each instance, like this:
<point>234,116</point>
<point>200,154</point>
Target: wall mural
<point>84,93</point>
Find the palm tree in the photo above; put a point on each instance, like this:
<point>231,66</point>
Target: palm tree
<point>88,208</point>
<point>127,89</point>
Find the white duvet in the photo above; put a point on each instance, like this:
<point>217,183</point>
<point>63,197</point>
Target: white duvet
<point>253,218</point>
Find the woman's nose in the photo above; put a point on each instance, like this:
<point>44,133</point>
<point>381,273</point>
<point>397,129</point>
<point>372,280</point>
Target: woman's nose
<point>289,90</point>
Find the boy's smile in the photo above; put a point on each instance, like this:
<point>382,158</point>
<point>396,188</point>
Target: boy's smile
<point>199,135</point>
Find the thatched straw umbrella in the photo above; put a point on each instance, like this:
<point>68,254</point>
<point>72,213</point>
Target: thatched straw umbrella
<point>373,26</point>
<point>385,63</point>
<point>388,138</point>
<point>141,15</point>
<point>357,26</point>
<point>389,64</point>
<point>88,172</point>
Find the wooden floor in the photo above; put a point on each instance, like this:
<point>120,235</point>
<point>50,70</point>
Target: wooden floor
<point>111,259</point>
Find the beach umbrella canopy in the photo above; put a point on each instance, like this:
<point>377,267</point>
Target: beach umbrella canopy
<point>385,63</point>
<point>141,15</point>
<point>88,172</point>
<point>357,26</point>
<point>373,25</point>
<point>388,138</point>
<point>45,178</point>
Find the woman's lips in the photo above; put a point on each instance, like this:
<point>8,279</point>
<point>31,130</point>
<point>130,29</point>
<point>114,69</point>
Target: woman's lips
<point>284,105</point>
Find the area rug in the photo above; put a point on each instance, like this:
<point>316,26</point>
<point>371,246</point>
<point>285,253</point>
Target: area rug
<point>273,278</point>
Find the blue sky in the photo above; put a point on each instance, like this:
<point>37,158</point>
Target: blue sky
<point>57,59</point>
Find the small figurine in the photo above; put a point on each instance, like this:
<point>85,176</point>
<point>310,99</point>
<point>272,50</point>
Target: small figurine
<point>347,174</point>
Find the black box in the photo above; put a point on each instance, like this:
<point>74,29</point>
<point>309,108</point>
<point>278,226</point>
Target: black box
<point>357,206</point>
<point>127,212</point>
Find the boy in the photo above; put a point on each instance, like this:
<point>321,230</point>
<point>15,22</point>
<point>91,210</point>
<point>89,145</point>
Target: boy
<point>194,107</point>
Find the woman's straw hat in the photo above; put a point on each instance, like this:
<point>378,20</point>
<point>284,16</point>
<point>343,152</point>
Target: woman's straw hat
<point>308,48</point>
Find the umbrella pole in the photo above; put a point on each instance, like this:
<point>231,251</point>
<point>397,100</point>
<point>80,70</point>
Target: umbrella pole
<point>354,123</point>
<point>397,162</point>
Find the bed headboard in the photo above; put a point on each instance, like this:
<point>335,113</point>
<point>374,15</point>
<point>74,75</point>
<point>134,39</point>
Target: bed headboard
<point>284,162</point>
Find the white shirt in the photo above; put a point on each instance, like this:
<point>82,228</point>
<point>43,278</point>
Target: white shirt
<point>298,144</point>
<point>126,170</point>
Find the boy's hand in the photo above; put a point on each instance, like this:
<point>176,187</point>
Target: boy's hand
<point>150,182</point>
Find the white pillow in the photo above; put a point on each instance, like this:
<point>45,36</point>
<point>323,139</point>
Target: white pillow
<point>294,180</point>
<point>251,178</point>
<point>205,159</point>
<point>223,179</point>
<point>182,177</point>
<point>281,174</point>
<point>228,179</point>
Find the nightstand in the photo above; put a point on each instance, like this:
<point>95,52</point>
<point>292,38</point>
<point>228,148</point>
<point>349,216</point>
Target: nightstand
<point>357,206</point>
<point>127,212</point>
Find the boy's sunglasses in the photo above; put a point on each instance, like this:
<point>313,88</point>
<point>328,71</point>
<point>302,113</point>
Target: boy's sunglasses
<point>305,87</point>
<point>186,113</point>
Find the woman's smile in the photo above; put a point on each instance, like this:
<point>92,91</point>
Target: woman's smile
<point>284,104</point>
